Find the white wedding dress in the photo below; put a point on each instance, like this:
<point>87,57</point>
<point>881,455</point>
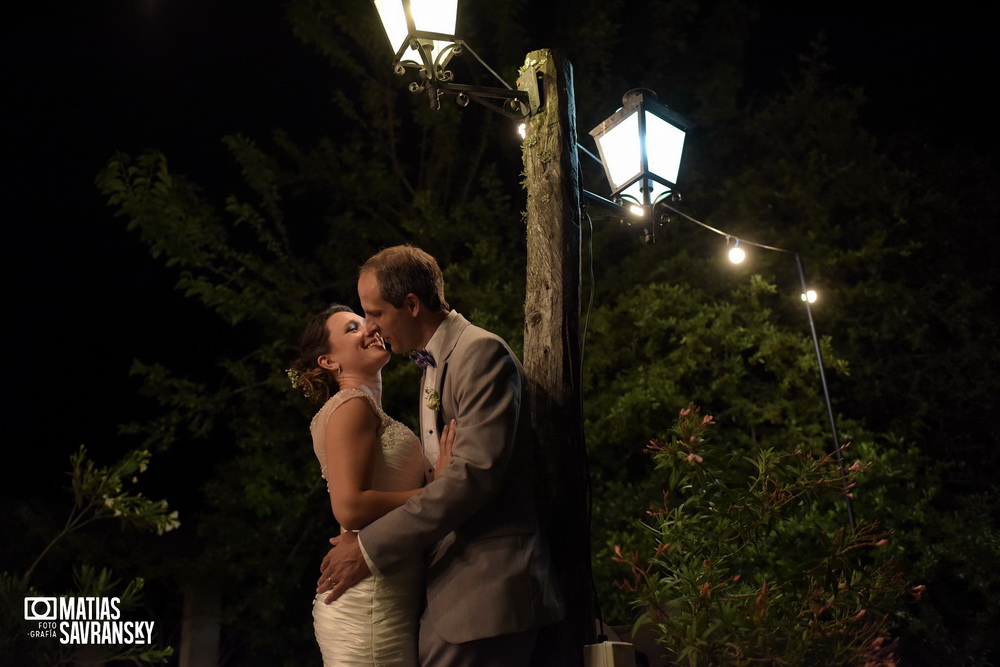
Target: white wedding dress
<point>375,622</point>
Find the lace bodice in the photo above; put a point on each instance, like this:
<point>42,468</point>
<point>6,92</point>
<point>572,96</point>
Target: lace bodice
<point>399,460</point>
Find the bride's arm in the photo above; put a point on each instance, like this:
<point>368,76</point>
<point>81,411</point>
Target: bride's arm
<point>351,439</point>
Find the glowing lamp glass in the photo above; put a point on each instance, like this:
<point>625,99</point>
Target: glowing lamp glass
<point>737,255</point>
<point>664,147</point>
<point>641,146</point>
<point>432,22</point>
<point>621,151</point>
<point>809,296</point>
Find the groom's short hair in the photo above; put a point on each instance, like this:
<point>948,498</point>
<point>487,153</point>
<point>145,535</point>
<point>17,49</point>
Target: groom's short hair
<point>406,269</point>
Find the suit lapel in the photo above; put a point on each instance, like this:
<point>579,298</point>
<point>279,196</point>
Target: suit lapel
<point>452,330</point>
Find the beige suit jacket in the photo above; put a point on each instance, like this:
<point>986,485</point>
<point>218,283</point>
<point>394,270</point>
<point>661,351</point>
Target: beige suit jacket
<point>489,572</point>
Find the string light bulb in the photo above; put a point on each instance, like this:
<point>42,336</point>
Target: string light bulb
<point>810,296</point>
<point>736,253</point>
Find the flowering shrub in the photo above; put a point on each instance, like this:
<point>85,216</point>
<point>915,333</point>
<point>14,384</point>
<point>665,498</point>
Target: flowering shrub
<point>752,561</point>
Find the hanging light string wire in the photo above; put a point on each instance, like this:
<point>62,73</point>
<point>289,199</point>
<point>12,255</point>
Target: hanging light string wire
<point>726,234</point>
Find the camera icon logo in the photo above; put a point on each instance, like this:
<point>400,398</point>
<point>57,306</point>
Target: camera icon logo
<point>40,609</point>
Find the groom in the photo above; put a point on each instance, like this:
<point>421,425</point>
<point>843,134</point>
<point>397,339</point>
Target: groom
<point>489,581</point>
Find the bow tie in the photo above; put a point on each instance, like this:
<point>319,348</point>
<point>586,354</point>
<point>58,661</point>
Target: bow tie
<point>423,358</point>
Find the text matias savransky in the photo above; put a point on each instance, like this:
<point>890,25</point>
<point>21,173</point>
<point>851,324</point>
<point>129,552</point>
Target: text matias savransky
<point>85,620</point>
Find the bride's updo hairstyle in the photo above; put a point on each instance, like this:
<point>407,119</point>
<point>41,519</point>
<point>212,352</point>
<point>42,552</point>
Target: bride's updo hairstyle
<point>305,372</point>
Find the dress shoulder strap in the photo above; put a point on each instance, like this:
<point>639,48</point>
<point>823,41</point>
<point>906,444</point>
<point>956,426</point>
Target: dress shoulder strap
<point>339,399</point>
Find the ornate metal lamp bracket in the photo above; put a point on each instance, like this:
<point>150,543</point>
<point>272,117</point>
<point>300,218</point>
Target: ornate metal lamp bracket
<point>435,79</point>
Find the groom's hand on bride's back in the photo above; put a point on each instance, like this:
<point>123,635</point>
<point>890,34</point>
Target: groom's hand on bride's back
<point>342,567</point>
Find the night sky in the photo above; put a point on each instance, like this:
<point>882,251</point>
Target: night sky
<point>83,297</point>
<point>85,79</point>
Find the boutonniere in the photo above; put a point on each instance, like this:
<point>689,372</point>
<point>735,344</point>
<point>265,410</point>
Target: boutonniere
<point>433,399</point>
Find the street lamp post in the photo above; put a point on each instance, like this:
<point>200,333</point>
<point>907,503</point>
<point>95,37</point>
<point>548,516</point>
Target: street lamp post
<point>552,350</point>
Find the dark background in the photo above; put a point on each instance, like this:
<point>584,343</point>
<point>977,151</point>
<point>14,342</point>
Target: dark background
<point>85,79</point>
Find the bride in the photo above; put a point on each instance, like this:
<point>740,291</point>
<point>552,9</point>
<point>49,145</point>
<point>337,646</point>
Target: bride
<point>372,465</point>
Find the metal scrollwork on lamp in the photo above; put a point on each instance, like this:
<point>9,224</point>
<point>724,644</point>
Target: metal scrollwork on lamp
<point>422,35</point>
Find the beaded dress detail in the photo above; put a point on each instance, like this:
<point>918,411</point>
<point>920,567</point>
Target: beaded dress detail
<point>374,622</point>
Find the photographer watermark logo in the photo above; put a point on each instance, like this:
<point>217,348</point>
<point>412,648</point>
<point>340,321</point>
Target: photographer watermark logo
<point>84,621</point>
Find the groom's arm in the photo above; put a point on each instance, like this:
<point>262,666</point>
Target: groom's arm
<point>483,387</point>
<point>346,564</point>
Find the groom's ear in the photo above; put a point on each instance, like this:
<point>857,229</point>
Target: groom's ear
<point>412,304</point>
